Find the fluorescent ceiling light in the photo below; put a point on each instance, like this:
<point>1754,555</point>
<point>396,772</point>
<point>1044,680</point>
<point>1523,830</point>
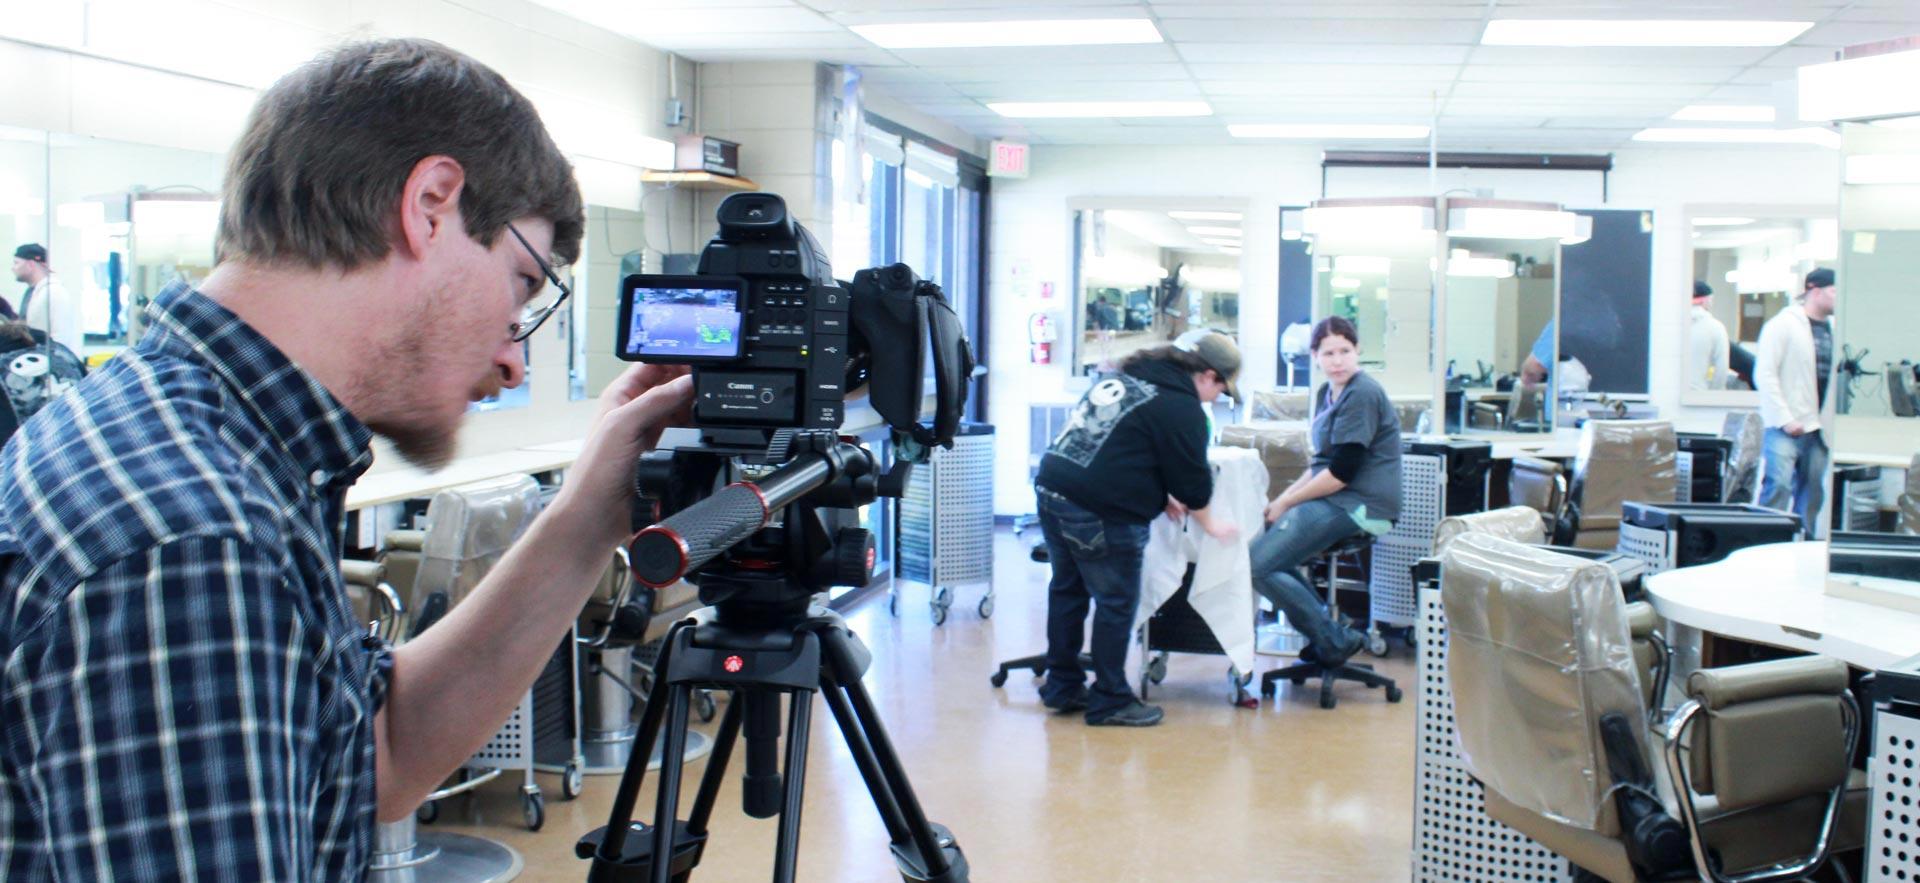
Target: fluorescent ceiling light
<point>1861,88</point>
<point>1644,32</point>
<point>1336,220</point>
<point>1215,231</point>
<point>1344,283</point>
<point>1804,135</point>
<point>1355,131</point>
<point>1480,222</point>
<point>1364,264</point>
<point>1205,216</point>
<point>1883,168</point>
<point>1044,32</point>
<point>1113,109</point>
<point>1721,222</point>
<point>1727,113</point>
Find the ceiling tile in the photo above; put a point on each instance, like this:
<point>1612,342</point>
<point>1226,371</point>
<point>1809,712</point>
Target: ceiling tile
<point>1563,92</point>
<point>1141,53</point>
<point>915,6</point>
<point>1284,72</point>
<point>945,13</point>
<point>1056,73</point>
<point>1529,73</point>
<point>1058,91</point>
<point>1849,34</point>
<point>1323,88</point>
<point>1467,11</point>
<point>1766,75</point>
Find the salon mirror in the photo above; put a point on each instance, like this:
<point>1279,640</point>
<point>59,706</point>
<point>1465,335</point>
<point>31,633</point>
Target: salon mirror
<point>1373,265</point>
<point>1501,345</point>
<point>1148,271</point>
<point>1746,264</point>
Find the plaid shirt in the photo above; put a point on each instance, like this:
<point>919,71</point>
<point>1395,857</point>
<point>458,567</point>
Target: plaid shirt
<point>184,693</point>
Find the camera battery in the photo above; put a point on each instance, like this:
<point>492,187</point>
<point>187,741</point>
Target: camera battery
<point>760,397</point>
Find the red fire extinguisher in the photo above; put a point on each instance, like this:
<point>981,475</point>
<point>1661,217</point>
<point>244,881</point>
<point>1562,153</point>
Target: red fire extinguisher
<point>1041,335</point>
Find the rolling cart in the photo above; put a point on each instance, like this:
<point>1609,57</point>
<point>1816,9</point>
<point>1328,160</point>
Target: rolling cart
<point>946,523</point>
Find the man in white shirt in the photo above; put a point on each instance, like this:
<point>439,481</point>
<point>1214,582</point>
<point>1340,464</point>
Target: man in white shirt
<point>1706,343</point>
<point>1793,370</point>
<point>47,306</point>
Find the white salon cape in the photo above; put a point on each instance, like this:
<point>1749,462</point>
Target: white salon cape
<point>1222,590</point>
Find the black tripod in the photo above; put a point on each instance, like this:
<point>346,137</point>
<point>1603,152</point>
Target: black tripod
<point>761,641</point>
<point>757,666</point>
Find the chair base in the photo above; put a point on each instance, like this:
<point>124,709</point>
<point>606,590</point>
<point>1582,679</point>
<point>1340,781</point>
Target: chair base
<point>448,858</point>
<point>1037,662</point>
<point>608,757</point>
<point>1328,676</point>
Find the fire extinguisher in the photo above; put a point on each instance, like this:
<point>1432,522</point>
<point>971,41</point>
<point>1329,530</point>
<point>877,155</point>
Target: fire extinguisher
<point>1041,335</point>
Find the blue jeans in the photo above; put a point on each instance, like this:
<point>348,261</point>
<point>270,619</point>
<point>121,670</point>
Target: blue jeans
<point>1095,562</point>
<point>1796,474</point>
<point>1305,531</point>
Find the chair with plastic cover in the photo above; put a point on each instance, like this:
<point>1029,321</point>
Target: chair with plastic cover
<point>1619,460</point>
<point>1551,711</point>
<point>1910,499</point>
<point>1285,451</point>
<point>1747,432</point>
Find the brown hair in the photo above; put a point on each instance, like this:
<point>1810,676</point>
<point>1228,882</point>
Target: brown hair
<point>1334,325</point>
<point>1185,361</point>
<point>318,171</point>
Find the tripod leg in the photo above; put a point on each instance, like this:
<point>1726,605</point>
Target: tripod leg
<point>799,726</point>
<point>839,656</point>
<point>621,817</point>
<point>863,758</point>
<point>666,810</point>
<point>717,761</point>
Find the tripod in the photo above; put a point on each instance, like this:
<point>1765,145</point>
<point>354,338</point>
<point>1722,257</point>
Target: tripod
<point>758,660</point>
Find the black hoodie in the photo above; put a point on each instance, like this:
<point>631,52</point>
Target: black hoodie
<point>1135,438</point>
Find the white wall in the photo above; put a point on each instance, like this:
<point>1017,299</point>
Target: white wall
<point>1031,243</point>
<point>183,73</point>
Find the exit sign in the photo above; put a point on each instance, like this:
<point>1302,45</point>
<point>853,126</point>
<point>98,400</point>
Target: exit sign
<point>1010,160</point>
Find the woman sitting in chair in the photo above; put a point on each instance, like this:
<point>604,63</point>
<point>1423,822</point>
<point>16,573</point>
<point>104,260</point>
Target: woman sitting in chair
<point>1352,487</point>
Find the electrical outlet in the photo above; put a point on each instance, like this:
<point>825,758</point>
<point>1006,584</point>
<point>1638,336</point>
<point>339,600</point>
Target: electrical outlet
<point>676,112</point>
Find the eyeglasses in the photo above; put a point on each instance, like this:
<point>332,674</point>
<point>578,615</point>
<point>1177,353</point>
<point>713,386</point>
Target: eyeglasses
<point>538,309</point>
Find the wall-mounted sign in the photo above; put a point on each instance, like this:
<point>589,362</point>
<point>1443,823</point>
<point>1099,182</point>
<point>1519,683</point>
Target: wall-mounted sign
<point>1009,160</point>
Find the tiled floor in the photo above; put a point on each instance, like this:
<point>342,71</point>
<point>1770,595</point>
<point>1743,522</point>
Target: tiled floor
<point>1287,792</point>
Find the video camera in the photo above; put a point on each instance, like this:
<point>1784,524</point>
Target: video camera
<point>776,345</point>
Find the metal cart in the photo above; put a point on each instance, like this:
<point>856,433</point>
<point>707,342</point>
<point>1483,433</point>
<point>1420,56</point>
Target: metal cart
<point>946,523</point>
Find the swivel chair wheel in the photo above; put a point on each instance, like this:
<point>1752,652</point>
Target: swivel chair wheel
<point>534,809</point>
<point>703,706</point>
<point>427,813</point>
<point>1157,669</point>
<point>1393,694</point>
<point>986,607</point>
<point>998,678</point>
<point>572,781</point>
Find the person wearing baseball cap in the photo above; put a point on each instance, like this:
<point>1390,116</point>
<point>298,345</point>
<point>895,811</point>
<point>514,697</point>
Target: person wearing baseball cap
<point>47,306</point>
<point>1707,347</point>
<point>1793,370</point>
<point>1136,446</point>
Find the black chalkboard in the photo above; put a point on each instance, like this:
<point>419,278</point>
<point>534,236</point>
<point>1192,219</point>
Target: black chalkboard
<point>1296,297</point>
<point>1606,294</point>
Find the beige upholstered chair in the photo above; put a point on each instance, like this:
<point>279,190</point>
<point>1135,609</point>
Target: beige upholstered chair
<point>1521,524</point>
<point>1540,485</point>
<point>1550,700</point>
<point>1747,433</point>
<point>1910,499</point>
<point>1285,452</point>
<point>1619,460</point>
<point>1278,404</point>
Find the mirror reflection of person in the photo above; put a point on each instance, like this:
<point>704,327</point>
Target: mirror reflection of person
<point>1793,370</point>
<point>47,306</point>
<point>1538,365</point>
<point>1352,487</point>
<point>1707,348</point>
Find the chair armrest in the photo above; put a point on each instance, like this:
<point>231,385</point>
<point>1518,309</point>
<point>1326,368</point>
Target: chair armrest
<point>1718,688</point>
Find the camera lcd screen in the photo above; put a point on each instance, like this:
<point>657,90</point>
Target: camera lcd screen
<point>682,318</point>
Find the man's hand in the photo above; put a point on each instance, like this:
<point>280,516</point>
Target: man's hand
<point>1795,429</point>
<point>635,408</point>
<point>1176,510</point>
<point>1224,531</point>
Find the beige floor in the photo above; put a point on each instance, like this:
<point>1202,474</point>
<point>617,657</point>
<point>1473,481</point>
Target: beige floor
<point>1288,792</point>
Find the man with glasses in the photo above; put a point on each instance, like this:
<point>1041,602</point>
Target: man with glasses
<point>184,692</point>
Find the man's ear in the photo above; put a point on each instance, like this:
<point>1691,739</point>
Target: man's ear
<point>430,203</point>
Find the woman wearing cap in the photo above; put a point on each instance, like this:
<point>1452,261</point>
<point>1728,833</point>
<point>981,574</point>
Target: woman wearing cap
<point>1136,446</point>
<point>1353,486</point>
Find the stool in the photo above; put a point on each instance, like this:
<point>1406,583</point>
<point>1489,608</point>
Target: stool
<point>1327,564</point>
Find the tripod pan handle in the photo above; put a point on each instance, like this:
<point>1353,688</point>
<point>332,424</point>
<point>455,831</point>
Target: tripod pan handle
<point>668,551</point>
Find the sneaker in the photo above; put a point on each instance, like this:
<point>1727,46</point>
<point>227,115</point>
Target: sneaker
<point>1135,714</point>
<point>1072,702</point>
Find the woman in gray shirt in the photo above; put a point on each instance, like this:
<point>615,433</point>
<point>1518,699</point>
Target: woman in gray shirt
<point>1352,487</point>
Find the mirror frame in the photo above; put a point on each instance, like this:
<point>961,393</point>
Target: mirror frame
<point>1680,312</point>
<point>1070,328</point>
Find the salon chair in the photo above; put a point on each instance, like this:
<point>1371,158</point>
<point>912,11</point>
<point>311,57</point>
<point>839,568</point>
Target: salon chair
<point>1747,432</point>
<point>1619,460</point>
